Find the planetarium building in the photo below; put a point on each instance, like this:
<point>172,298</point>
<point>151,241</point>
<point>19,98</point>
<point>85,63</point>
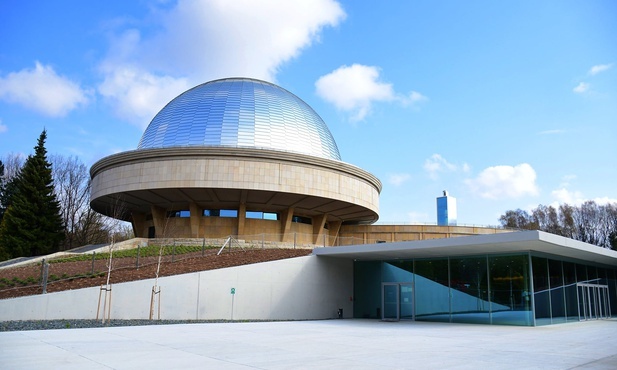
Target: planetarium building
<point>236,157</point>
<point>245,158</point>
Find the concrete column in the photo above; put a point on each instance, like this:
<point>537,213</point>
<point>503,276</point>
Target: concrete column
<point>138,221</point>
<point>286,218</point>
<point>334,228</point>
<point>318,228</point>
<point>241,219</point>
<point>196,215</point>
<point>158,218</point>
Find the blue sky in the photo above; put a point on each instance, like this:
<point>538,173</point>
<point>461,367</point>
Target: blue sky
<point>505,104</point>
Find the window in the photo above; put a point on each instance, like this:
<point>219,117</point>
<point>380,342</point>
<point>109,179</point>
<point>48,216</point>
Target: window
<point>302,220</point>
<point>179,213</point>
<point>220,212</point>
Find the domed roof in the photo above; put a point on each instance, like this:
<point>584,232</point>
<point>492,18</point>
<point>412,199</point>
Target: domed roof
<point>240,112</point>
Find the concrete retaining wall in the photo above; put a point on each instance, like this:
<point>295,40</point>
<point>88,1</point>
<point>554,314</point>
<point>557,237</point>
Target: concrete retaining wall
<point>292,289</point>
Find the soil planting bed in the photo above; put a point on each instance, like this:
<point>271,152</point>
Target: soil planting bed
<point>76,275</point>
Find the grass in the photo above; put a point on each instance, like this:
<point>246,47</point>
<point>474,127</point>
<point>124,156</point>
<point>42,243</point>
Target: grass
<point>149,251</point>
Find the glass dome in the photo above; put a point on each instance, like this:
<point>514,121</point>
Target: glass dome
<point>240,112</point>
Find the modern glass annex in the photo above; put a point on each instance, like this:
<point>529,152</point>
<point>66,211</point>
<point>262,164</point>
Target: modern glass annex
<point>515,278</point>
<point>511,289</point>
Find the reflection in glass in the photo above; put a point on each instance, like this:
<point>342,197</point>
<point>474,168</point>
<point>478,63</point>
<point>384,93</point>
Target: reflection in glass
<point>469,290</point>
<point>240,112</point>
<point>406,301</point>
<point>569,277</point>
<point>558,308</point>
<point>612,290</point>
<point>390,302</point>
<point>432,291</point>
<point>541,290</point>
<point>510,290</point>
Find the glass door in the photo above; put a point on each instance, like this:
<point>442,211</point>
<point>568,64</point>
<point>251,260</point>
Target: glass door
<point>593,300</point>
<point>397,302</point>
<point>406,301</point>
<point>390,302</point>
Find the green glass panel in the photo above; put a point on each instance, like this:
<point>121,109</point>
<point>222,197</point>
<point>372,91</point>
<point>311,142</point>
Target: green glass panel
<point>510,287</point>
<point>541,290</point>
<point>469,290</point>
<point>432,291</point>
<point>558,307</point>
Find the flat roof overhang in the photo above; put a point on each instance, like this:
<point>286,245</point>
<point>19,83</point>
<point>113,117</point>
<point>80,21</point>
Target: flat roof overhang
<point>514,242</point>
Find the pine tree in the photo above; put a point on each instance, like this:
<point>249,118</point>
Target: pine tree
<point>32,225</point>
<point>2,192</point>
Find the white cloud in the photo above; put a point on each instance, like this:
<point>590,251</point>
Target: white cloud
<point>581,88</point>
<point>437,164</point>
<point>564,195</point>
<point>605,200</point>
<point>42,90</point>
<point>599,68</point>
<point>505,182</point>
<point>398,179</point>
<point>576,198</point>
<point>416,97</point>
<point>199,41</point>
<point>138,95</point>
<point>3,128</point>
<point>355,88</point>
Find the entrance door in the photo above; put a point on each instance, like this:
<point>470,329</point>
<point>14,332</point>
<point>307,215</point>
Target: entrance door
<point>593,301</point>
<point>397,301</point>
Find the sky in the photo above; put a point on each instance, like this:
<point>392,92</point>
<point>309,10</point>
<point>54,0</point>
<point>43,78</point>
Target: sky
<point>504,104</point>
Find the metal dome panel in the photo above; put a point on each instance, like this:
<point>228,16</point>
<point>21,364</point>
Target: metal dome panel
<point>241,112</point>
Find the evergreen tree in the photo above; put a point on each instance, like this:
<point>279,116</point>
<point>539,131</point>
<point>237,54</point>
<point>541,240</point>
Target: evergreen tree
<point>2,191</point>
<point>32,225</point>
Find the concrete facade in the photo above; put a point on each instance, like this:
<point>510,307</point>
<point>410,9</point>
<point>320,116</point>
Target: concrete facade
<point>292,289</point>
<point>144,186</point>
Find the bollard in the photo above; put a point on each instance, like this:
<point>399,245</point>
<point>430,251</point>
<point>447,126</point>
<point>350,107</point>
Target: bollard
<point>42,271</point>
<point>45,273</point>
<point>93,258</point>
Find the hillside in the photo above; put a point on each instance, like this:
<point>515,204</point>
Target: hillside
<point>66,275</point>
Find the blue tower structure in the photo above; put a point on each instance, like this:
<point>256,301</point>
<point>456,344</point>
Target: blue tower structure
<point>446,210</point>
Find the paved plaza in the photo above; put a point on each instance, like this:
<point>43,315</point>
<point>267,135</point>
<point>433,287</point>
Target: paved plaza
<point>328,344</point>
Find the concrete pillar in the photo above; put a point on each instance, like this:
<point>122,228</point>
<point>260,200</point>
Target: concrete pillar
<point>138,221</point>
<point>334,228</point>
<point>318,228</point>
<point>286,218</point>
<point>196,215</point>
<point>158,218</point>
<point>241,219</point>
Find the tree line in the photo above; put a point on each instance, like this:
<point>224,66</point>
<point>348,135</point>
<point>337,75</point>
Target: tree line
<point>45,206</point>
<point>590,222</point>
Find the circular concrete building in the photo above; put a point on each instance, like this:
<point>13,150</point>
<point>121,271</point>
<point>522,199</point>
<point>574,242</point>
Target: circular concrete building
<point>240,157</point>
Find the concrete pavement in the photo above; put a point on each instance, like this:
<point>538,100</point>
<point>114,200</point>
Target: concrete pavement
<point>328,344</point>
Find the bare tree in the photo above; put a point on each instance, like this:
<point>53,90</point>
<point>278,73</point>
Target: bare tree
<point>13,162</point>
<point>72,185</point>
<point>590,222</point>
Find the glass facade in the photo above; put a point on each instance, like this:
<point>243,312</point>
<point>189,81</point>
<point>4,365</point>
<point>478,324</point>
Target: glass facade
<point>241,112</point>
<point>446,210</point>
<point>509,289</point>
